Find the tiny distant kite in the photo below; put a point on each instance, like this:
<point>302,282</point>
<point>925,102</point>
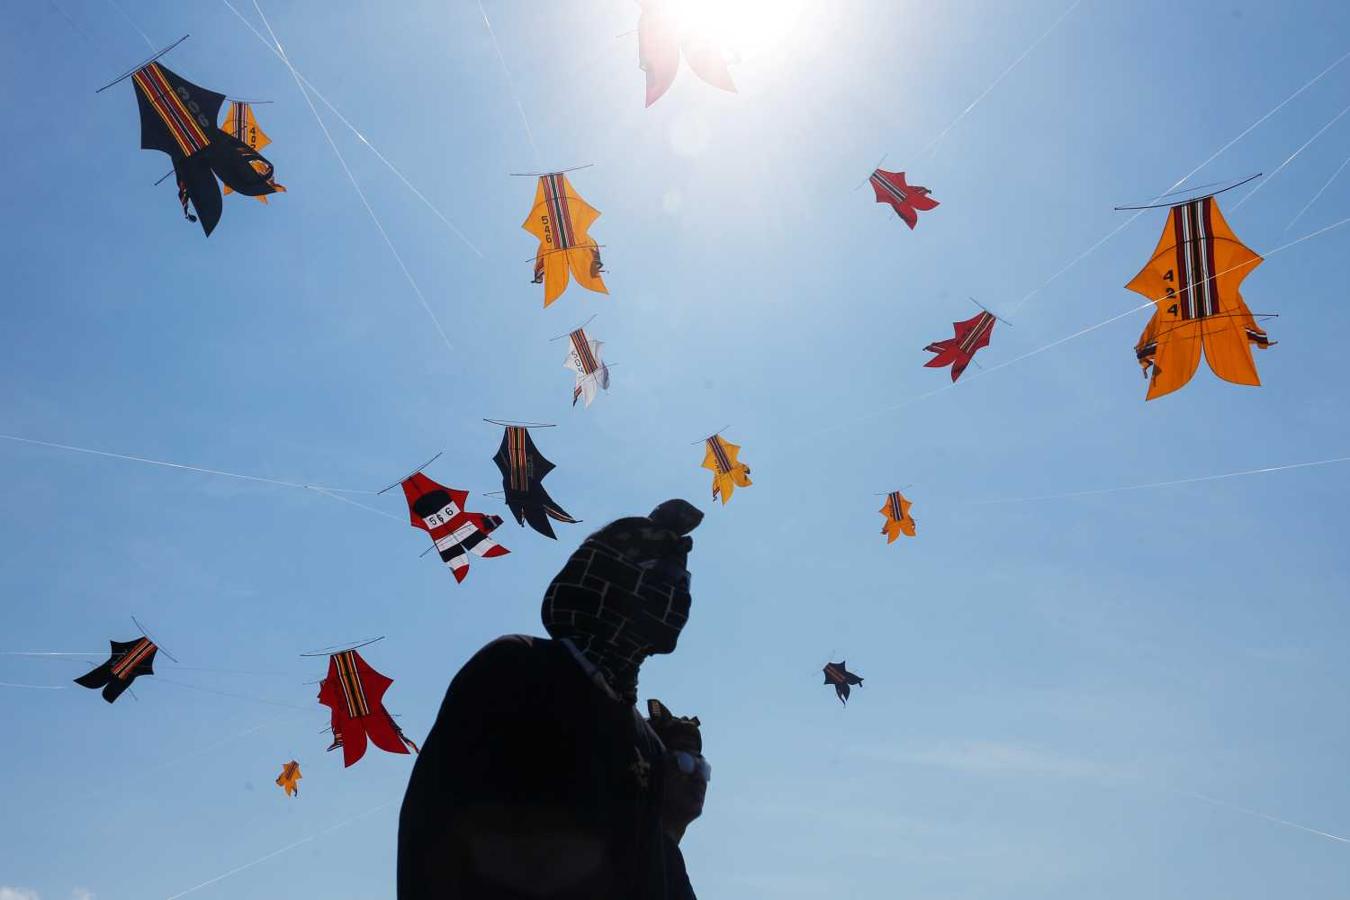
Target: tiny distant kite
<point>898,519</point>
<point>289,779</point>
<point>583,357</point>
<point>838,675</point>
<point>1193,280</point>
<point>662,35</point>
<point>354,692</point>
<point>439,511</point>
<point>128,661</point>
<point>523,469</point>
<point>907,200</point>
<point>971,335</point>
<point>560,219</point>
<point>179,118</point>
<point>728,474</point>
<point>241,124</point>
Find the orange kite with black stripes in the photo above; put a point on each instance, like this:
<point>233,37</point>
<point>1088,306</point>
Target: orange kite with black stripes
<point>560,219</point>
<point>898,519</point>
<point>728,472</point>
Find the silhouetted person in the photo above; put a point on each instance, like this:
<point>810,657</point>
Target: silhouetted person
<point>540,779</point>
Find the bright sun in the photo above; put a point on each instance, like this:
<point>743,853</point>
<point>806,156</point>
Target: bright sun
<point>747,28</point>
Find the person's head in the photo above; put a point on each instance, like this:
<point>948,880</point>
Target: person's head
<point>624,594</point>
<point>686,771</point>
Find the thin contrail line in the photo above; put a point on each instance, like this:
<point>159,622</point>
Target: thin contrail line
<point>1319,193</point>
<point>275,853</point>
<point>1215,155</point>
<point>1269,818</point>
<point>932,144</point>
<point>511,84</point>
<point>34,687</point>
<point>145,37</point>
<point>1262,183</point>
<point>421,298</point>
<point>1160,484</point>
<point>324,489</point>
<point>356,131</point>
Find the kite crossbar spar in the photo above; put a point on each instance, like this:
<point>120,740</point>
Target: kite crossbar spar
<point>874,168</point>
<point>162,177</point>
<point>506,423</point>
<point>888,493</point>
<point>710,437</point>
<point>152,639</point>
<point>333,650</point>
<point>578,328</point>
<point>412,473</point>
<point>542,174</point>
<point>991,312</point>
<point>133,71</point>
<point>565,249</point>
<point>252,102</point>
<point>1201,197</point>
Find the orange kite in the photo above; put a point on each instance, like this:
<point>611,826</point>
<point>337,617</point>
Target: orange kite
<point>728,474</point>
<point>559,219</point>
<point>898,519</point>
<point>289,778</point>
<point>240,123</point>
<point>1193,280</point>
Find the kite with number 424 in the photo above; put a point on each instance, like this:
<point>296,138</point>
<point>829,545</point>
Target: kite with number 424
<point>898,519</point>
<point>907,200</point>
<point>179,118</point>
<point>1193,280</point>
<point>971,335</point>
<point>560,219</point>
<point>354,693</point>
<point>439,511</point>
<point>242,124</point>
<point>663,35</point>
<point>523,469</point>
<point>128,661</point>
<point>728,472</point>
<point>583,357</point>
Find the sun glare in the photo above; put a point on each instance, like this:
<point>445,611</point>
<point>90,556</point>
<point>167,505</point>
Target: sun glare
<point>747,28</point>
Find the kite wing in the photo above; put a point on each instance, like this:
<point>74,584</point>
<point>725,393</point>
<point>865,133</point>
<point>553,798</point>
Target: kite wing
<point>1193,280</point>
<point>662,37</point>
<point>439,511</point>
<point>523,469</point>
<point>289,778</point>
<point>583,357</point>
<point>906,200</point>
<point>898,519</point>
<point>128,661</point>
<point>560,219</point>
<point>354,692</point>
<point>241,124</point>
<point>179,118</point>
<point>971,335</point>
<point>728,473</point>
<point>838,675</point>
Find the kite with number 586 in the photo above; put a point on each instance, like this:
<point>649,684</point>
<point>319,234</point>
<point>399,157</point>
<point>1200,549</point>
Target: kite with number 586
<point>1193,280</point>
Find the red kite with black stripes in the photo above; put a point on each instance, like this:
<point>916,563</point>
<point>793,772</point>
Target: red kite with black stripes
<point>971,335</point>
<point>907,200</point>
<point>354,692</point>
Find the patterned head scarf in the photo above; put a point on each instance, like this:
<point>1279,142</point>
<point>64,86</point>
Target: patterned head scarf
<point>624,594</point>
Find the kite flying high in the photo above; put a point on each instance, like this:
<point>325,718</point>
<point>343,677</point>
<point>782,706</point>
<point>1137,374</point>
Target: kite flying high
<point>971,335</point>
<point>241,123</point>
<point>1193,280</point>
<point>838,675</point>
<point>728,473</point>
<point>560,219</point>
<point>128,661</point>
<point>523,469</point>
<point>354,693</point>
<point>289,779</point>
<point>907,200</point>
<point>179,118</point>
<point>898,519</point>
<point>439,511</point>
<point>583,357</point>
<point>662,37</point>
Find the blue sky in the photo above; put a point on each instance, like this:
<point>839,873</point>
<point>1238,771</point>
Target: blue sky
<point>1061,695</point>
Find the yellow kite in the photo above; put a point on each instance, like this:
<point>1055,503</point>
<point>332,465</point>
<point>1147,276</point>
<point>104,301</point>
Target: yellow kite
<point>240,123</point>
<point>898,519</point>
<point>289,778</point>
<point>728,474</point>
<point>559,220</point>
<point>1193,280</point>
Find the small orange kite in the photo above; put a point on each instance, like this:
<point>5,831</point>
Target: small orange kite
<point>289,778</point>
<point>898,519</point>
<point>728,474</point>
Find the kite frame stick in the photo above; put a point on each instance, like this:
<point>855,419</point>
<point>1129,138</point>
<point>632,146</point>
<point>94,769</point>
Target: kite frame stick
<point>164,176</point>
<point>709,437</point>
<point>1193,199</point>
<point>412,473</point>
<point>146,634</point>
<point>509,424</point>
<point>565,249</point>
<point>329,651</point>
<point>874,168</point>
<point>249,102</point>
<point>578,328</point>
<point>888,493</point>
<point>133,71</point>
<point>542,174</point>
<point>991,312</point>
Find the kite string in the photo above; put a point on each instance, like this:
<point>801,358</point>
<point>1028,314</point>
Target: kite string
<point>132,22</point>
<point>275,853</point>
<point>1264,181</point>
<point>361,137</point>
<point>511,85</point>
<point>1159,484</point>
<point>1260,815</point>
<point>35,687</point>
<point>1215,155</point>
<point>932,144</point>
<point>356,185</point>
<point>1319,193</point>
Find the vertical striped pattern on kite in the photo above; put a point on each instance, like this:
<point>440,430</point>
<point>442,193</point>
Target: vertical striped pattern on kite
<point>350,678</point>
<point>186,130</point>
<point>126,666</point>
<point>555,195</point>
